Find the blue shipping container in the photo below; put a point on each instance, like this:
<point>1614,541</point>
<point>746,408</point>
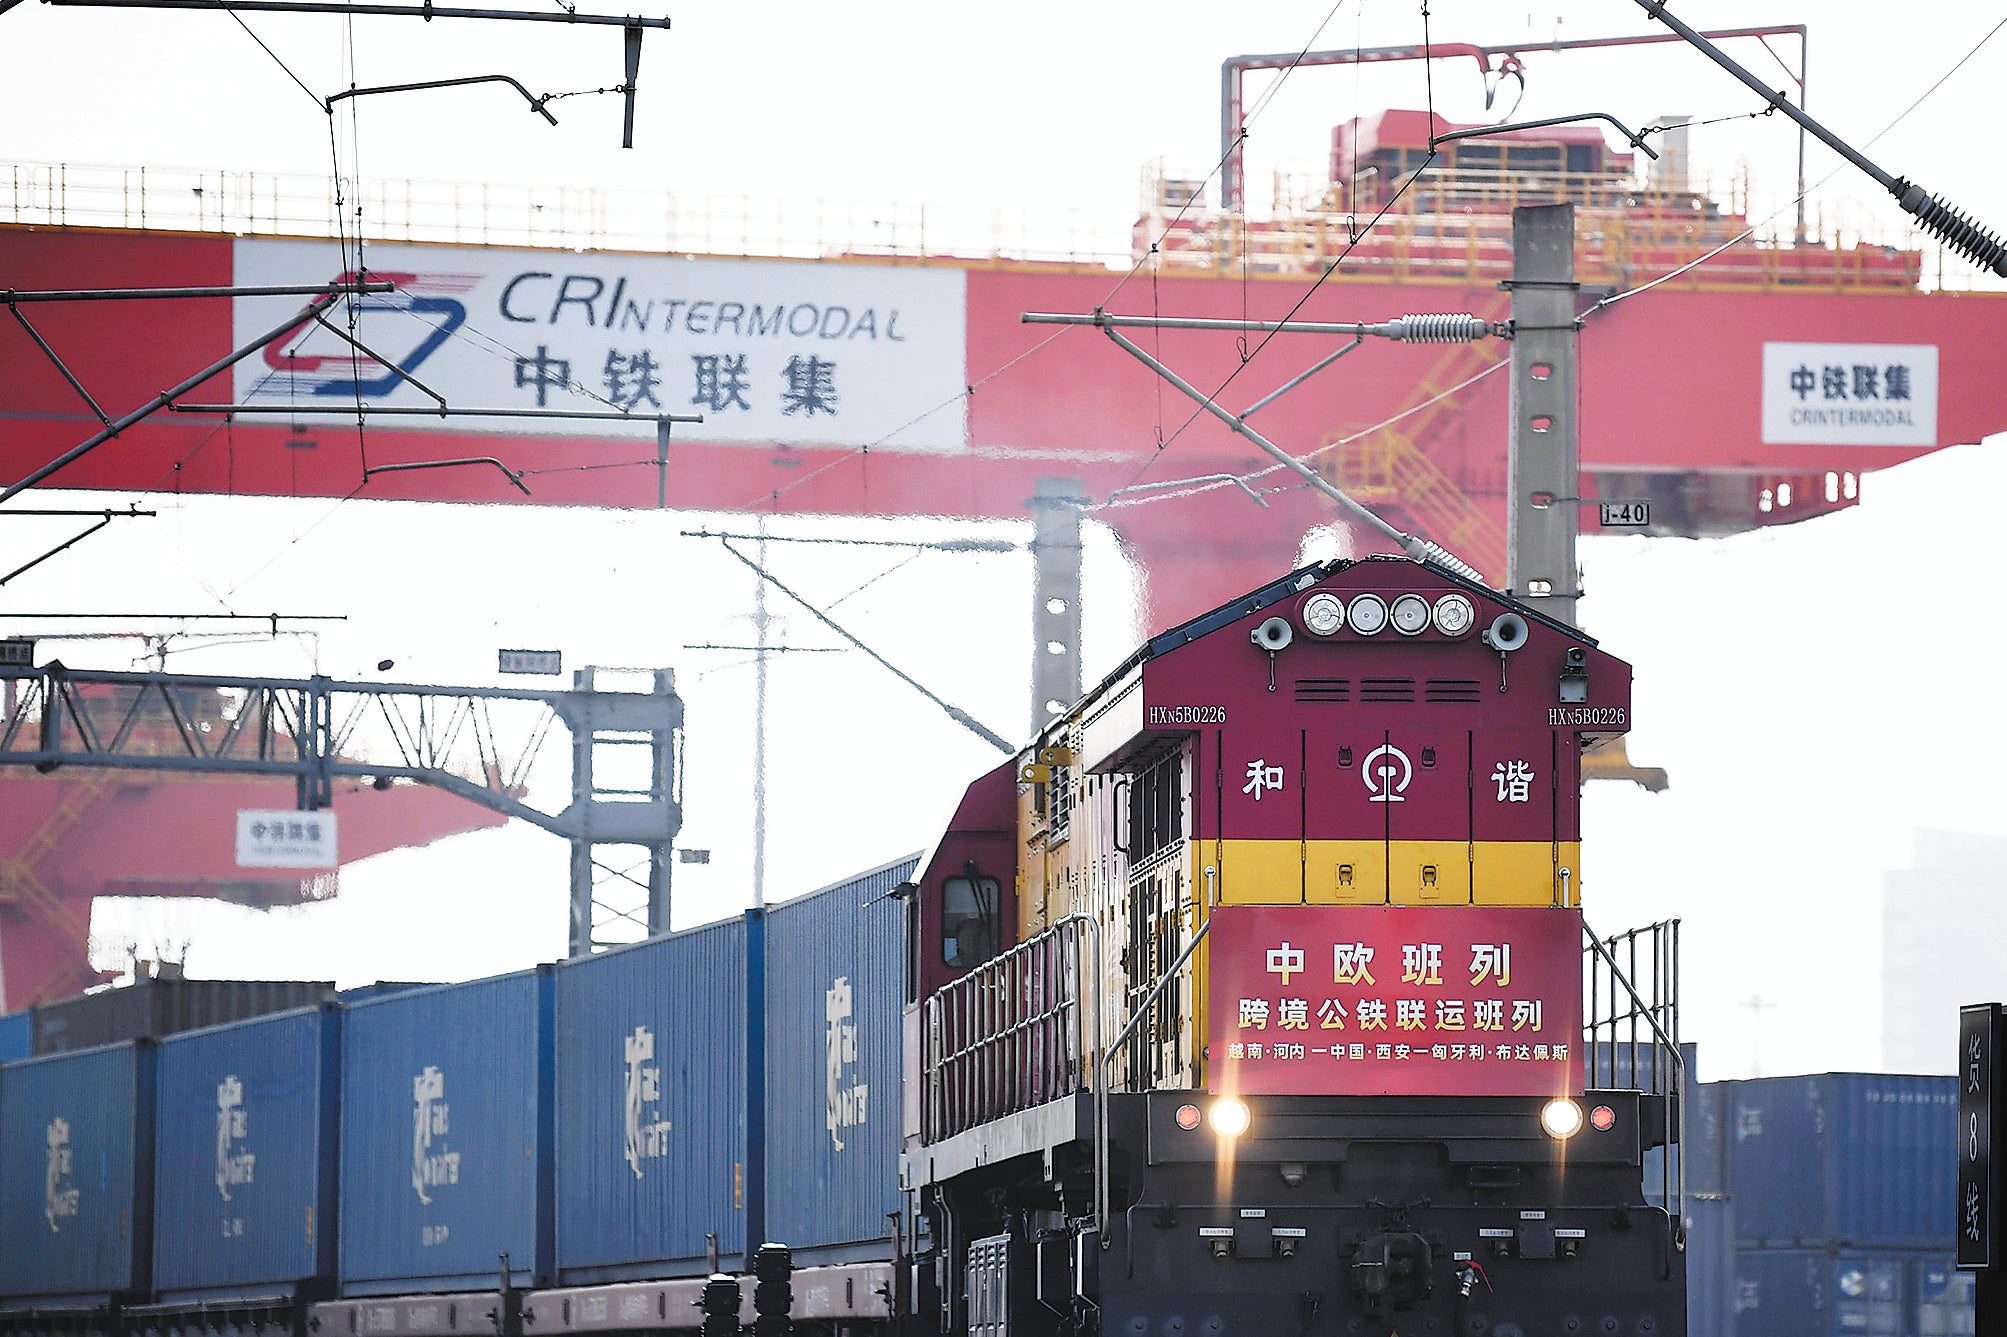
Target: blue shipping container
<point>1857,1160</point>
<point>17,1036</point>
<point>1710,1268</point>
<point>445,1136</point>
<point>245,1156</point>
<point>76,1197</point>
<point>1810,1293</point>
<point>835,990</point>
<point>1944,1299</point>
<point>1816,1293</point>
<point>653,1100</point>
<point>1704,1145</point>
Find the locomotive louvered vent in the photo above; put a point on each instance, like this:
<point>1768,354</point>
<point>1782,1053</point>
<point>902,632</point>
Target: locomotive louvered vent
<point>1310,690</point>
<point>1386,689</point>
<point>1453,690</point>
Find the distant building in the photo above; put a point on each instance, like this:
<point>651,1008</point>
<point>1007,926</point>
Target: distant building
<point>1944,922</point>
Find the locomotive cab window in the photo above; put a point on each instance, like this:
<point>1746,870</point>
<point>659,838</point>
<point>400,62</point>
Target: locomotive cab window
<point>971,921</point>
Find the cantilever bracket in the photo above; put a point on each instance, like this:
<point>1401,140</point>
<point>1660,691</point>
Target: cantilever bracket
<point>515,478</point>
<point>104,518</point>
<point>167,397</point>
<point>1416,547</point>
<point>1636,138</point>
<point>537,104</point>
<point>401,374</point>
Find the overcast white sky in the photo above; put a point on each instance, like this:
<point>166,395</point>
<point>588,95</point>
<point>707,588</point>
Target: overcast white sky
<point>1784,678</point>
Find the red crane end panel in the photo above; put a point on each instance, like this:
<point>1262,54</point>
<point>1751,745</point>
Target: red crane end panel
<point>1394,1000</point>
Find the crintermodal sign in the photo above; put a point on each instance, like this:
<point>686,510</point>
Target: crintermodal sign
<point>1395,1000</point>
<point>285,839</point>
<point>1850,394</point>
<point>1978,1195</point>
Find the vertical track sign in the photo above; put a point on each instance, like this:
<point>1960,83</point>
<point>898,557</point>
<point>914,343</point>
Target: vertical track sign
<point>1978,1111</point>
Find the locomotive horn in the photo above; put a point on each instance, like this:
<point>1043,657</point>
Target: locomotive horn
<point>1507,632</point>
<point>1273,635</point>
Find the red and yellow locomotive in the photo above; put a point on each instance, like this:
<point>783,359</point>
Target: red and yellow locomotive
<point>1251,998</point>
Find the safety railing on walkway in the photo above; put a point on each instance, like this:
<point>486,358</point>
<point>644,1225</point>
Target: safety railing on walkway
<point>1430,237</point>
<point>1009,1035</point>
<point>1630,1024</point>
<point>570,217</point>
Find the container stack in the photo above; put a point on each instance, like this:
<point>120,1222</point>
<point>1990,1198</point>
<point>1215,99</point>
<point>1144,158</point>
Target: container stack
<point>150,1009</point>
<point>1820,1206</point>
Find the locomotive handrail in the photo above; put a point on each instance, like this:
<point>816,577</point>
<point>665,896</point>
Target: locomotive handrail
<point>952,1005</point>
<point>1674,1179</point>
<point>1101,1079</point>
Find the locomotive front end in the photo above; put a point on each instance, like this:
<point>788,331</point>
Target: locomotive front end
<point>1285,1027</point>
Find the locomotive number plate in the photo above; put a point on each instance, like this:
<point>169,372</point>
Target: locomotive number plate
<point>1588,717</point>
<point>1173,716</point>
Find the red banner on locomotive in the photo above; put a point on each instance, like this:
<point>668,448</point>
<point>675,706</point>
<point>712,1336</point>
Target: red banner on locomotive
<point>1395,1000</point>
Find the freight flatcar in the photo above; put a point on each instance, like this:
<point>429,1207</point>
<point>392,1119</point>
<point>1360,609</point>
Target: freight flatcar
<point>1249,998</point>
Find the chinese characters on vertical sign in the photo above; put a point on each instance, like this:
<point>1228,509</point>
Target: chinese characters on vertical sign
<point>1978,1028</point>
<point>1850,394</point>
<point>1413,1000</point>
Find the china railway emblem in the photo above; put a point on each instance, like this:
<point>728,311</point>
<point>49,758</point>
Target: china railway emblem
<point>847,1107</point>
<point>1387,774</point>
<point>647,1133</point>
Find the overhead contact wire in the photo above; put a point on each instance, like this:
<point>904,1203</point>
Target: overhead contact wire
<point>1243,480</point>
<point>1816,186</point>
<point>1240,140</point>
<point>1282,324</point>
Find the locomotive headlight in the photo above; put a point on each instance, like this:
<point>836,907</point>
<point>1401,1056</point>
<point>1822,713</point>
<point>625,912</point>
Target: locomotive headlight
<point>1410,614</point>
<point>1230,1117</point>
<point>1323,613</point>
<point>1561,1118</point>
<point>1368,614</point>
<point>1455,614</point>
